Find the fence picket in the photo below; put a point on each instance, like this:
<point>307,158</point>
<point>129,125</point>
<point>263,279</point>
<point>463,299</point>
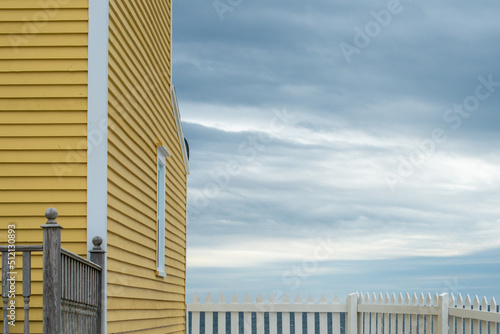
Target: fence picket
<point>495,326</point>
<point>234,315</point>
<point>323,317</point>
<point>298,316</point>
<point>273,315</point>
<point>260,314</point>
<point>336,317</point>
<point>467,321</point>
<point>310,316</point>
<point>393,301</point>
<point>221,316</point>
<point>460,320</point>
<point>195,318</point>
<point>475,322</point>
<point>452,320</point>
<point>209,316</point>
<point>484,308</point>
<point>247,316</point>
<point>285,317</point>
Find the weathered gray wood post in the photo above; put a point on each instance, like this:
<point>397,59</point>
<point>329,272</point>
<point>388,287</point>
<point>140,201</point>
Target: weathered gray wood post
<point>98,256</point>
<point>51,273</point>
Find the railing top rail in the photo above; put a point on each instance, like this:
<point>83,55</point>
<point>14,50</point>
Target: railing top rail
<point>24,248</point>
<point>80,259</point>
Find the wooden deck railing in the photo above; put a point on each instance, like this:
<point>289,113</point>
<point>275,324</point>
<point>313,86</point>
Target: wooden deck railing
<point>369,314</point>
<point>72,285</point>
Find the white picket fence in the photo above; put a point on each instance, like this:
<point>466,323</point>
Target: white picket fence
<point>361,314</point>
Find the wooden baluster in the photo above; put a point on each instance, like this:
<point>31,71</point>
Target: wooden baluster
<point>26,290</point>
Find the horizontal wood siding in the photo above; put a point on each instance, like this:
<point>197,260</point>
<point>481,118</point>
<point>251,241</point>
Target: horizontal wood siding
<point>140,117</point>
<point>43,127</point>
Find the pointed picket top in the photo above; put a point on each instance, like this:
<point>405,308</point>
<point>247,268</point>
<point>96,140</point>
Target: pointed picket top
<point>360,295</point>
<point>310,299</point>
<point>387,299</point>
<point>421,299</point>
<point>428,299</point>
<point>407,299</point>
<point>322,299</point>
<point>400,299</point>
<point>285,299</point>
<point>196,298</point>
<point>460,301</point>
<point>374,298</point>
<point>484,305</point>
<point>452,300</point>
<point>336,299</point>
<point>222,299</point>
<point>493,305</point>
<point>234,299</point>
<point>380,299</point>
<point>367,298</point>
<point>246,299</point>
<point>476,303</point>
<point>272,299</point>
<point>414,299</point>
<point>298,299</point>
<point>436,299</point>
<point>393,299</point>
<point>468,303</point>
<point>260,299</point>
<point>209,299</point>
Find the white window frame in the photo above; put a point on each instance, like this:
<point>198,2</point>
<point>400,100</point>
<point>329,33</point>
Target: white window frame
<point>161,176</point>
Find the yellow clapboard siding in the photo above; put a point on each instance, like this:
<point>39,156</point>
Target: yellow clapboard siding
<point>25,223</point>
<point>35,104</point>
<point>44,78</point>
<point>43,130</point>
<point>43,117</point>
<point>34,209</point>
<point>43,196</point>
<point>43,91</point>
<point>33,40</point>
<point>33,28</point>
<point>53,171</point>
<point>43,65</point>
<point>44,52</point>
<point>141,304</point>
<point>144,327</point>
<point>32,156</point>
<point>133,288</point>
<point>131,200</point>
<point>38,183</point>
<point>46,15</point>
<point>45,4</point>
<point>117,152</point>
<point>116,225</point>
<point>52,142</point>
<point>140,108</point>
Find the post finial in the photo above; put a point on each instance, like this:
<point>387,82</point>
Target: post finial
<point>51,214</point>
<point>97,241</point>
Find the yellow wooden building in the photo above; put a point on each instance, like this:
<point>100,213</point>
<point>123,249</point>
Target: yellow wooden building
<point>89,124</point>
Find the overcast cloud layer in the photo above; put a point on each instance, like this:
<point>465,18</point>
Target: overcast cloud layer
<point>340,146</point>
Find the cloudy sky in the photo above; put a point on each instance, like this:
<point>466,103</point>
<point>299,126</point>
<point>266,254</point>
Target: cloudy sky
<point>340,146</point>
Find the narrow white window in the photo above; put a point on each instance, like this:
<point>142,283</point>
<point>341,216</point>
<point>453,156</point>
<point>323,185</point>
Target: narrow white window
<point>160,211</point>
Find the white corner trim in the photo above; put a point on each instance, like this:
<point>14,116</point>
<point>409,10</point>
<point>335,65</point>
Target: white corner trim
<point>175,108</point>
<point>97,130</point>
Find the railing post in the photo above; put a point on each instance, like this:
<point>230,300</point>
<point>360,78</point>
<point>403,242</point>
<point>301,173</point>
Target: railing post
<point>443,313</point>
<point>352,314</point>
<point>51,273</point>
<point>98,256</point>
